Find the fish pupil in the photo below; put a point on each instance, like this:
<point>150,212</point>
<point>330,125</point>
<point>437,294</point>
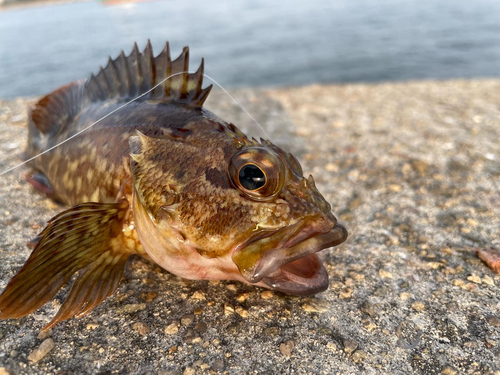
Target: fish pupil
<point>251,177</point>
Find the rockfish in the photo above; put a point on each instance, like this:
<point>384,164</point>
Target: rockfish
<point>165,179</point>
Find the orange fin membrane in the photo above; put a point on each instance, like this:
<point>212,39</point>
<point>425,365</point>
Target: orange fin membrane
<point>85,238</point>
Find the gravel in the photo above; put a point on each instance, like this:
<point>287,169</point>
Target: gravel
<point>412,170</point>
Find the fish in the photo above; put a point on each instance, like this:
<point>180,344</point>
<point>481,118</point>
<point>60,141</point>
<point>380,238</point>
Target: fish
<point>165,179</point>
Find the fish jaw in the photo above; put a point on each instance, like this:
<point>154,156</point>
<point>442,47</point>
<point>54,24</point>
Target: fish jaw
<point>286,260</point>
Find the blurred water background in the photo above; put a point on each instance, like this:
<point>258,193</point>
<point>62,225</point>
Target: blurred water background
<point>255,42</point>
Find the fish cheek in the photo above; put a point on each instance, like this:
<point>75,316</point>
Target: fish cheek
<point>215,226</point>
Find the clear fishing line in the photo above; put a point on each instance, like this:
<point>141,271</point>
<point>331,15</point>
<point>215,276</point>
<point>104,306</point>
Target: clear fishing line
<point>123,106</point>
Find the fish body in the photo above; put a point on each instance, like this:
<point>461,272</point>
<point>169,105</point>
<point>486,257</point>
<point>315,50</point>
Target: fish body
<point>166,179</point>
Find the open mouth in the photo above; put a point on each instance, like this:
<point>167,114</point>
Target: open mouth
<point>286,261</point>
<point>304,276</point>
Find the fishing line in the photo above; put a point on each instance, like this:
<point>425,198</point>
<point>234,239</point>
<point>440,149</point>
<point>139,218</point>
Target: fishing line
<point>123,106</point>
<point>238,104</point>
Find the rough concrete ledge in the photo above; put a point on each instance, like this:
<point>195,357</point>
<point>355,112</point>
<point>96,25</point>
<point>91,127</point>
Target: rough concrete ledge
<point>412,169</point>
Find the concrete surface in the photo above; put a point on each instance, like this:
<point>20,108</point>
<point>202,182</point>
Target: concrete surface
<point>412,169</point>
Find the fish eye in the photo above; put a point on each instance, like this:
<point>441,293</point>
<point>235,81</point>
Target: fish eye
<point>251,177</point>
<point>257,172</point>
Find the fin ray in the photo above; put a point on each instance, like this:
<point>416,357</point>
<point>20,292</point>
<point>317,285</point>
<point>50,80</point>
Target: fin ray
<point>54,111</point>
<point>135,74</point>
<point>90,288</point>
<point>125,78</point>
<point>76,239</point>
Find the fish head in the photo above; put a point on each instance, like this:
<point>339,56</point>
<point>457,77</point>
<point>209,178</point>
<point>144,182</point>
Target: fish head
<point>217,205</point>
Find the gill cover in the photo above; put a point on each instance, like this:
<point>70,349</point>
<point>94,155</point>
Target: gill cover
<point>155,186</point>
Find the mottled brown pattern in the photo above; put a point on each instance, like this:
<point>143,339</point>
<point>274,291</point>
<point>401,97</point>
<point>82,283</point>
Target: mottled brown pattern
<point>161,178</point>
<point>211,212</point>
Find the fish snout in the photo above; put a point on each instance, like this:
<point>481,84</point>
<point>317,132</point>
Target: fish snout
<point>321,223</point>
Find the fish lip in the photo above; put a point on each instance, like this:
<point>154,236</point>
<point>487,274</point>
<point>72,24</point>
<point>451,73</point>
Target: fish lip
<point>292,266</point>
<point>305,243</point>
<point>289,283</point>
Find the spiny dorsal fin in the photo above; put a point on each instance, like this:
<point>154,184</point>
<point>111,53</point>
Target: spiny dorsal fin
<point>135,74</point>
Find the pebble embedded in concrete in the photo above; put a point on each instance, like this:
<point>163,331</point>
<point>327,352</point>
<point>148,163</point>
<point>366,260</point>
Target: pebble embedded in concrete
<point>141,328</point>
<point>187,320</point>
<point>45,347</point>
<point>172,328</point>
<point>131,308</point>
<point>287,347</point>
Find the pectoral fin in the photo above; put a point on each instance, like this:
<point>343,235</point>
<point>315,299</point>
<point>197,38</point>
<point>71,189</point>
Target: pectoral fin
<point>86,238</point>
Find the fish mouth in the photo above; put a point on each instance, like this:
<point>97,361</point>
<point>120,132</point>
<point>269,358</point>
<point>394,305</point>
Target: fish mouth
<point>286,260</point>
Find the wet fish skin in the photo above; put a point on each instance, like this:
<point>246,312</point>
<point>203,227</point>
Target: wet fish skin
<point>168,180</point>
